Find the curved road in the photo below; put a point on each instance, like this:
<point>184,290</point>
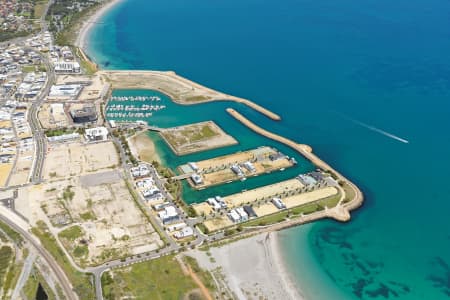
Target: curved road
<point>46,256</point>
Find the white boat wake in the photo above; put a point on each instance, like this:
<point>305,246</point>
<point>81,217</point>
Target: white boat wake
<point>375,129</point>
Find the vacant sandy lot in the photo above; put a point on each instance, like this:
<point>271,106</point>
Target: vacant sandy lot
<point>196,137</point>
<point>110,223</point>
<point>70,159</point>
<point>22,171</point>
<point>96,88</point>
<point>143,148</point>
<point>51,117</point>
<point>202,208</point>
<point>218,223</point>
<point>5,169</point>
<point>268,191</point>
<point>304,198</point>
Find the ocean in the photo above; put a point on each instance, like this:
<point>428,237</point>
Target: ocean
<point>366,83</point>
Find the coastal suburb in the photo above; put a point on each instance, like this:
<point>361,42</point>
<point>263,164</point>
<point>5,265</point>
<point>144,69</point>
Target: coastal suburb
<point>100,199</point>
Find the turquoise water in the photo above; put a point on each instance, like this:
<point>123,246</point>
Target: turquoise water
<point>322,65</point>
<point>175,115</point>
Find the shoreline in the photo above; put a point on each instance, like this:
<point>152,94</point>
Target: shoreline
<point>86,27</point>
<point>261,272</point>
<point>277,255</point>
<point>277,265</point>
<point>140,143</point>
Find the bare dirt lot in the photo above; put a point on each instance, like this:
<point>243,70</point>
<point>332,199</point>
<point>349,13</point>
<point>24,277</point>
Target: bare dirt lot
<point>273,190</point>
<point>196,137</point>
<point>96,222</point>
<point>70,159</point>
<point>93,90</point>
<point>52,116</point>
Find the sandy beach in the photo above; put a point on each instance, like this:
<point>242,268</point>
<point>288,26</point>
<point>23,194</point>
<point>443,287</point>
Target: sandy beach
<point>87,24</point>
<point>143,148</point>
<point>251,268</point>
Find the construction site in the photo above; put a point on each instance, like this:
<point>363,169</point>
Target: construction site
<point>236,166</point>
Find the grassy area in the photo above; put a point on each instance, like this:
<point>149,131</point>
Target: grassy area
<point>78,250</point>
<point>16,237</point>
<point>349,192</point>
<point>204,276</point>
<point>72,20</point>
<point>269,219</point>
<point>28,69</point>
<point>39,9</point>
<point>303,209</point>
<point>32,284</point>
<point>88,216</point>
<point>11,278</point>
<point>81,282</point>
<point>58,132</point>
<point>71,233</point>
<point>204,133</point>
<point>6,256</point>
<point>163,279</point>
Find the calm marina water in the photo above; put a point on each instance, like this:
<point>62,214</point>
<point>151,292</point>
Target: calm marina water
<point>320,65</point>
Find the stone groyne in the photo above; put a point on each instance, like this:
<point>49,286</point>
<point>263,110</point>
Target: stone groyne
<point>306,151</point>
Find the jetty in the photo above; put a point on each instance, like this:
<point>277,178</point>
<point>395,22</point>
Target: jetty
<point>181,90</point>
<point>307,152</point>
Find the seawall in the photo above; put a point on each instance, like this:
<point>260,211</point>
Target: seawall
<point>306,151</point>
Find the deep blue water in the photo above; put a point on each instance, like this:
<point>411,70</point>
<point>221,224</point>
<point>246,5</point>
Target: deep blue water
<point>322,65</point>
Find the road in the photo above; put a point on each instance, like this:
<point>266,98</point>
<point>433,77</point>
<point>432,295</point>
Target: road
<point>23,277</point>
<point>40,141</point>
<point>43,254</point>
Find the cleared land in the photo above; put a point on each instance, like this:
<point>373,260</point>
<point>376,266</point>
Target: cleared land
<point>5,169</point>
<point>163,279</point>
<point>217,170</point>
<point>52,116</point>
<point>99,221</point>
<point>95,88</point>
<point>24,163</point>
<point>79,159</point>
<point>196,137</point>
